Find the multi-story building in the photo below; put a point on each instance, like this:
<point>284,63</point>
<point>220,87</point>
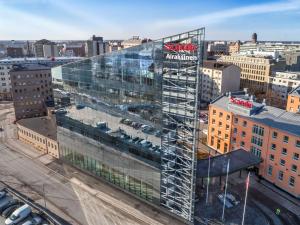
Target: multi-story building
<point>279,86</point>
<point>217,48</point>
<point>15,52</point>
<point>255,71</point>
<point>293,101</point>
<point>45,48</point>
<point>135,119</point>
<point>114,45</point>
<point>7,63</point>
<point>74,50</point>
<point>94,46</point>
<point>292,60</point>
<point>234,47</point>
<point>134,41</point>
<point>217,79</point>
<point>269,47</point>
<point>31,90</point>
<point>237,121</point>
<point>40,132</point>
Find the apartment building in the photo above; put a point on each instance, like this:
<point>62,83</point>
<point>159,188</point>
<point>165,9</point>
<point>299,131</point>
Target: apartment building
<point>134,41</point>
<point>237,121</point>
<point>45,48</point>
<point>217,48</point>
<point>234,47</point>
<point>5,84</point>
<point>40,132</point>
<point>31,90</point>
<point>218,78</point>
<point>293,101</point>
<point>280,85</point>
<point>255,71</point>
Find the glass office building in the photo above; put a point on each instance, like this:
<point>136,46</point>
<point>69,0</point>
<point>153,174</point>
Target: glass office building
<point>133,118</point>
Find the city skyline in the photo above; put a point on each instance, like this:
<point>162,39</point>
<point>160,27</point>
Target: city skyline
<point>61,20</point>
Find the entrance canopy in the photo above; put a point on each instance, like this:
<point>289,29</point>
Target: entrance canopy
<point>239,159</point>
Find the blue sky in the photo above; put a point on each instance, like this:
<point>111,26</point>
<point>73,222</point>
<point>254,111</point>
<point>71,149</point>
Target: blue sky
<point>120,19</point>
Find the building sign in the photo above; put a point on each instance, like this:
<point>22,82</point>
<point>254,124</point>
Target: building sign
<point>241,102</point>
<point>182,51</point>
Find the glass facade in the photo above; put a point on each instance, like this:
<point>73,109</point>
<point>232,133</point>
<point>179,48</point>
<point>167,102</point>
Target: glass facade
<point>132,118</point>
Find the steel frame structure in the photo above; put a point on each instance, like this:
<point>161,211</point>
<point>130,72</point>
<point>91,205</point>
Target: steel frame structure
<point>180,88</point>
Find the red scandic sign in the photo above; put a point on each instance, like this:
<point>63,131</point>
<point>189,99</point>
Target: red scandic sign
<point>180,47</point>
<point>241,102</point>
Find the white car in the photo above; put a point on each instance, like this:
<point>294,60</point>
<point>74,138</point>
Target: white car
<point>18,215</point>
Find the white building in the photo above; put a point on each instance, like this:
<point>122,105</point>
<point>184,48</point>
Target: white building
<point>50,51</point>
<point>269,47</point>
<point>281,83</point>
<point>219,78</point>
<point>217,47</point>
<point>134,41</point>
<point>7,63</point>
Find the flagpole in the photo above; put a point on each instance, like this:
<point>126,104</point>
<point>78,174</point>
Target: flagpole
<point>225,194</point>
<point>246,196</point>
<point>208,178</point>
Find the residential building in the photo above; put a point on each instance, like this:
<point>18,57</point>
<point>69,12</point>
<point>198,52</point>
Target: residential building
<point>292,60</point>
<point>134,41</point>
<point>154,85</point>
<point>293,101</point>
<point>31,90</point>
<point>255,71</point>
<point>269,47</point>
<point>254,38</point>
<point>217,79</point>
<point>74,50</point>
<point>217,48</point>
<point>238,121</point>
<point>234,47</point>
<point>40,132</point>
<point>94,46</point>
<point>45,48</point>
<point>6,65</point>
<point>110,46</point>
<point>280,85</point>
<point>15,52</point>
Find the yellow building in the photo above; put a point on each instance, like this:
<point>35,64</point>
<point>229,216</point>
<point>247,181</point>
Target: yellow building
<point>293,101</point>
<point>255,71</point>
<point>40,132</point>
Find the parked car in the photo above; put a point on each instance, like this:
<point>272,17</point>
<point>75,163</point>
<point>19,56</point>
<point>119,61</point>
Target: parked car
<point>8,204</point>
<point>158,133</point>
<point>79,106</point>
<point>8,211</point>
<point>18,215</point>
<point>35,220</point>
<point>2,194</point>
<point>4,201</point>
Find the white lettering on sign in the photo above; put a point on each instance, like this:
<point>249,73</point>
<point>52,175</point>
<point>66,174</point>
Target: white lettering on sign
<point>182,57</point>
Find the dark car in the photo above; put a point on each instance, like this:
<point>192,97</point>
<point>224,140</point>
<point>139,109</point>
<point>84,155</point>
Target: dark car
<point>8,211</point>
<point>8,204</point>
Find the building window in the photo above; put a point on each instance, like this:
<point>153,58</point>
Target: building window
<point>282,162</point>
<point>274,135</point>
<point>273,146</point>
<point>212,141</point>
<point>220,114</point>
<point>298,144</point>
<point>271,157</point>
<point>219,133</point>
<point>220,124</point>
<point>257,141</point>
<point>294,168</point>
<point>227,127</point>
<point>243,134</point>
<point>258,130</point>
<point>236,120</point>
<point>242,143</point>
<point>255,151</point>
<point>225,147</point>
<point>280,175</point>
<point>296,156</point>
<point>226,136</point>
<point>234,140</point>
<point>218,144</point>
<point>235,130</point>
<point>292,181</point>
<point>212,130</point>
<point>285,139</point>
<point>244,123</point>
<point>214,112</point>
<point>213,121</point>
<point>270,170</point>
<point>284,151</point>
<point>227,117</point>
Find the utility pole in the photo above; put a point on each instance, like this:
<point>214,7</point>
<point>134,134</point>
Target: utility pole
<point>208,178</point>
<point>225,194</point>
<point>247,188</point>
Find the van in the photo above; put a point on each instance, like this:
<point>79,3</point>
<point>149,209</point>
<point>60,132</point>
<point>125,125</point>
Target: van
<point>18,215</point>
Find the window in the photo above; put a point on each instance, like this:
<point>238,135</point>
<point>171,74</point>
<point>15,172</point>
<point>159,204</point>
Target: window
<point>270,170</point>
<point>298,144</point>
<point>214,112</point>
<point>284,151</point>
<point>243,134</point>
<point>213,121</point>
<point>273,146</point>
<point>212,141</point>
<point>218,144</point>
<point>257,141</point>
<point>234,140</point>
<point>296,156</point>
<point>212,130</point>
<point>280,175</point>
<point>227,117</point>
<point>282,162</point>
<point>274,135</point>
<point>235,130</point>
<point>226,136</point>
<point>219,133</point>
<point>225,147</point>
<point>220,124</point>
<point>258,130</point>
<point>286,139</point>
<point>244,123</point>
<point>236,120</point>
<point>256,151</point>
<point>220,114</point>
<point>292,181</point>
<point>271,157</point>
<point>294,168</point>
<point>242,143</point>
<point>227,127</point>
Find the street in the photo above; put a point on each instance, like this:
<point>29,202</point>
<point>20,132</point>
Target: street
<point>29,171</point>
